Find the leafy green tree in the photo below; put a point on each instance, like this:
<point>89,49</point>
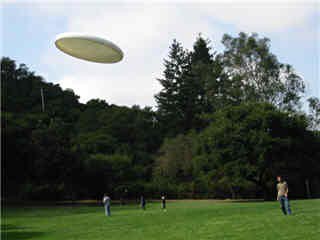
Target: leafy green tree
<point>35,143</point>
<point>109,171</point>
<point>21,93</point>
<point>15,159</point>
<point>255,142</point>
<point>175,158</point>
<point>239,154</point>
<point>258,73</point>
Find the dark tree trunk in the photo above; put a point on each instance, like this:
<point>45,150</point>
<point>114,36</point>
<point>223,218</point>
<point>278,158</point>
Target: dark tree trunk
<point>308,188</point>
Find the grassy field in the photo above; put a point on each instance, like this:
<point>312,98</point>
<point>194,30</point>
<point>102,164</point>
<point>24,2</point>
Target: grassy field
<point>182,220</point>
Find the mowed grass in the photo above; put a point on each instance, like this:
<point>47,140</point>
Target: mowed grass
<point>182,220</point>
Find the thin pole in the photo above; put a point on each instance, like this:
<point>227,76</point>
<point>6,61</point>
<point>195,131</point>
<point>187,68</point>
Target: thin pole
<point>308,188</point>
<point>42,99</point>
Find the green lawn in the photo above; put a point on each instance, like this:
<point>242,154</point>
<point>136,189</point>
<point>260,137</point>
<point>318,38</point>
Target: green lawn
<point>183,220</point>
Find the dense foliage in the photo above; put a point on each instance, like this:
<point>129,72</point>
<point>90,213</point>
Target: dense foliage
<point>226,124</point>
<point>70,150</point>
<point>239,154</point>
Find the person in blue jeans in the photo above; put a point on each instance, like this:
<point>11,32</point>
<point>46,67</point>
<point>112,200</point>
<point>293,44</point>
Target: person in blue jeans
<point>106,202</point>
<point>282,196</point>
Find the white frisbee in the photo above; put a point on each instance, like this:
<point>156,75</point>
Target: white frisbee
<point>87,47</point>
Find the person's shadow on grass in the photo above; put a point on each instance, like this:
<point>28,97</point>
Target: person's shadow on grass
<point>12,232</point>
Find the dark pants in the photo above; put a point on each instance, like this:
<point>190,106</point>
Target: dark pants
<point>285,206</point>
<point>107,208</point>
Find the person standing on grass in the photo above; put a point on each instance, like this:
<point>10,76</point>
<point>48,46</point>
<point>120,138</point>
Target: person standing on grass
<point>143,202</point>
<point>106,201</point>
<point>282,197</point>
<point>163,199</point>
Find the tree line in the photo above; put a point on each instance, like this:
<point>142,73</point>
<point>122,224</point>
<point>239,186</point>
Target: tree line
<point>225,125</point>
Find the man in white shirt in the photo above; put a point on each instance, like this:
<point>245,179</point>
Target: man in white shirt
<point>106,202</point>
<point>163,199</point>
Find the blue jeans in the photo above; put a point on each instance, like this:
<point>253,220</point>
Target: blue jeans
<point>284,204</point>
<point>107,208</point>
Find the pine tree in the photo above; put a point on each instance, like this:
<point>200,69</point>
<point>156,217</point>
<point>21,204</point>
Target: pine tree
<point>202,63</point>
<point>170,112</point>
<point>194,84</point>
<point>182,99</point>
<point>201,51</point>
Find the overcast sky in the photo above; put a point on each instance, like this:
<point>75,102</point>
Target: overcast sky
<point>144,31</point>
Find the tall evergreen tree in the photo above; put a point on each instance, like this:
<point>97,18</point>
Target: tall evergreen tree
<point>170,110</point>
<point>201,51</point>
<point>182,99</point>
<point>196,81</point>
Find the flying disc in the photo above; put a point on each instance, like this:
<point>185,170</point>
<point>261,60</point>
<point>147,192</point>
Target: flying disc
<point>88,47</point>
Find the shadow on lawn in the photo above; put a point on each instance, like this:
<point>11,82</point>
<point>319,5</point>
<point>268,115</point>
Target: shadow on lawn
<point>13,235</point>
<point>12,232</point>
<point>8,227</point>
<point>52,211</point>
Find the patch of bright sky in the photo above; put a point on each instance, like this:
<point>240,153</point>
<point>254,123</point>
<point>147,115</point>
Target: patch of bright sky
<point>145,32</point>
<point>26,35</point>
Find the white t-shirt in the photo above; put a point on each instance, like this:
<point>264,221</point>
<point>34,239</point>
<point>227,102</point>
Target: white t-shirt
<point>106,200</point>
